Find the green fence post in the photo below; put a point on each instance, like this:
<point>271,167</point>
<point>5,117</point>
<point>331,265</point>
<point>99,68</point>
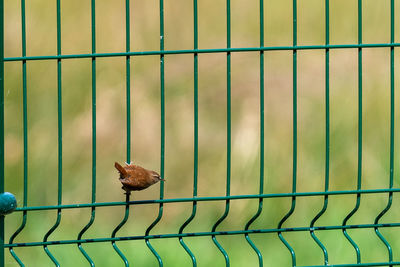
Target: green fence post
<point>2,124</point>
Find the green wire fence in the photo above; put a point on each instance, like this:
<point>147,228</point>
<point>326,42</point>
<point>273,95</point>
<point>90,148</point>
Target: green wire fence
<point>249,232</point>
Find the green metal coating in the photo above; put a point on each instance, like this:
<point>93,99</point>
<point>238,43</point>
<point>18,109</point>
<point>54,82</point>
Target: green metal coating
<point>261,188</point>
<point>194,234</point>
<point>25,133</point>
<point>93,209</point>
<point>162,150</point>
<point>191,199</point>
<point>84,229</point>
<point>93,20</point>
<point>359,165</point>
<point>228,132</point>
<point>8,203</point>
<point>59,128</point>
<point>247,233</point>
<point>206,51</point>
<point>361,264</point>
<point>128,80</point>
<point>2,240</point>
<point>119,226</point>
<point>46,237</point>
<point>24,105</point>
<point>196,130</point>
<point>294,177</point>
<point>392,117</point>
<point>128,126</point>
<point>325,205</point>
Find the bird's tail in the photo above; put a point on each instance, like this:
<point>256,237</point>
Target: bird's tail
<point>120,169</point>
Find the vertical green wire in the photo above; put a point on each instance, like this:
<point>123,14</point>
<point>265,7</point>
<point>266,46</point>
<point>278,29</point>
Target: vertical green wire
<point>128,126</point>
<point>391,164</point>
<point>59,115</point>
<point>228,132</point>
<point>162,152</point>
<point>119,226</point>
<point>196,130</point>
<point>261,189</point>
<point>93,12</point>
<point>2,124</point>
<point>93,210</point>
<point>59,103</point>
<point>294,178</point>
<point>25,134</point>
<point>128,80</point>
<point>359,167</point>
<point>325,206</point>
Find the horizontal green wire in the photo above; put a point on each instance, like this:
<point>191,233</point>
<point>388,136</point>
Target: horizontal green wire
<point>237,232</point>
<point>191,199</point>
<point>192,51</point>
<point>356,264</point>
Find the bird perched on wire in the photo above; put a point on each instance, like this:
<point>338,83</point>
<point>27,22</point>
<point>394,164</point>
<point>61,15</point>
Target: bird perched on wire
<point>135,178</point>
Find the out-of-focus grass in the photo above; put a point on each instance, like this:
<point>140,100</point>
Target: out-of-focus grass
<point>145,99</point>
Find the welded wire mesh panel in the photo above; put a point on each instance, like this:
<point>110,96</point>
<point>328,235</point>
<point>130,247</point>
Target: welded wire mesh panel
<point>272,123</point>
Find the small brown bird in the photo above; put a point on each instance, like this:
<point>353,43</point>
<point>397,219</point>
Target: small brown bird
<point>135,178</point>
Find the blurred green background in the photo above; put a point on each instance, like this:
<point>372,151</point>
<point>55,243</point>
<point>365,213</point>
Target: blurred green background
<point>145,99</point>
